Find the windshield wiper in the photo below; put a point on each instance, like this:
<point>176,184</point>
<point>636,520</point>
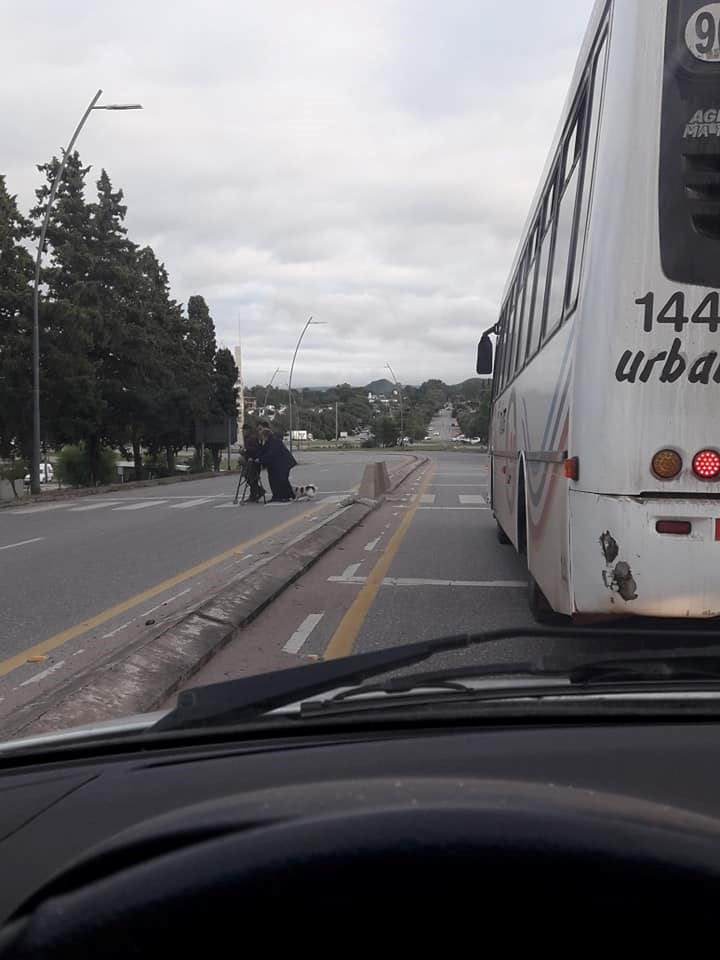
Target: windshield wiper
<point>650,670</point>
<point>247,698</point>
<point>653,670</point>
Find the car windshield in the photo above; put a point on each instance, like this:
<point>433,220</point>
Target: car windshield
<point>333,329</point>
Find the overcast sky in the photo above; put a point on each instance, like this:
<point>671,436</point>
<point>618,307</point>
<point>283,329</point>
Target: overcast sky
<point>369,162</point>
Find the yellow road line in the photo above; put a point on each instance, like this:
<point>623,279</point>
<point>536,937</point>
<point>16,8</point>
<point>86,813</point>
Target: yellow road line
<point>343,639</point>
<point>46,646</point>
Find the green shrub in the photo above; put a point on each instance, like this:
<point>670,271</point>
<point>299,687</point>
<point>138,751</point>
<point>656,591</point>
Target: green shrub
<point>107,472</point>
<point>73,467</point>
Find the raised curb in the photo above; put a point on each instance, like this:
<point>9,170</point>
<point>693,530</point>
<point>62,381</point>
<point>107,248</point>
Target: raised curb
<point>139,679</point>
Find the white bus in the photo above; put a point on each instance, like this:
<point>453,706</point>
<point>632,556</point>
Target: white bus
<point>605,432</point>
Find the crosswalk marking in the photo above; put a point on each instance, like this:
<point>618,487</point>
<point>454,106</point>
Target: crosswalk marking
<point>428,501</point>
<point>14,512</point>
<point>142,505</point>
<point>95,506</point>
<point>189,503</point>
<point>454,508</point>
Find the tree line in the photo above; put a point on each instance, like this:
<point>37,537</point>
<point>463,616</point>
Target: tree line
<point>315,409</point>
<point>122,364</point>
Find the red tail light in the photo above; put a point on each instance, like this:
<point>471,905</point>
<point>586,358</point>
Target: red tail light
<point>678,527</point>
<point>571,468</point>
<point>706,464</point>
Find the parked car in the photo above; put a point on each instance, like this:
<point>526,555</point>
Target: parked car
<point>47,475</point>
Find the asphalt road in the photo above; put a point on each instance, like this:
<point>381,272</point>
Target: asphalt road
<point>66,561</point>
<point>434,548</point>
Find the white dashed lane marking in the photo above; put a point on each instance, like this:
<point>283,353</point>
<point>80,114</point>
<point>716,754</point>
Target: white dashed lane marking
<point>303,632</point>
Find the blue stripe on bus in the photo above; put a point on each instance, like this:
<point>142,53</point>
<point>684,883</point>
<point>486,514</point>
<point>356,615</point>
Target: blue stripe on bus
<point>553,422</point>
<point>558,385</point>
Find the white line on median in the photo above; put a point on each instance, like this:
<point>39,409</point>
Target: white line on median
<point>422,582</point>
<point>106,636</point>
<point>169,600</point>
<point>350,571</point>
<point>45,673</point>
<point>303,632</point>
<point>373,543</point>
<point>21,543</point>
<point>471,498</point>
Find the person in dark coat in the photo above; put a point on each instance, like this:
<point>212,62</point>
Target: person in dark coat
<point>278,461</point>
<point>251,454</point>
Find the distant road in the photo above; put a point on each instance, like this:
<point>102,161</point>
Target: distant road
<point>442,423</point>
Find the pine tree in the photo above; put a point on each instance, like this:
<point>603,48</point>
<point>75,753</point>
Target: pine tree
<point>16,275</point>
<point>223,404</point>
<point>71,403</point>
<point>202,345</point>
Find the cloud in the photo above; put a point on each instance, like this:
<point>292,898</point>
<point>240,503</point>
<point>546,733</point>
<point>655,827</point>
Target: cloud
<point>370,163</point>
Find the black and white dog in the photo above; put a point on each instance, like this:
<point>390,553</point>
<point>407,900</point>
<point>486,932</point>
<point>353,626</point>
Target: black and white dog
<point>306,492</point>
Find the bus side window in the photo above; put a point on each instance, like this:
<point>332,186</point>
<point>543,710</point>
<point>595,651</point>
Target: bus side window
<point>499,356</point>
<point>543,262</point>
<point>509,370</point>
<point>549,249</point>
<point>563,235</point>
<point>520,322</point>
<point>531,277</point>
<point>588,161</point>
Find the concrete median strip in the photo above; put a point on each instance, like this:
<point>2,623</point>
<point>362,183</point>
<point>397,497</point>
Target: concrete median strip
<point>141,676</point>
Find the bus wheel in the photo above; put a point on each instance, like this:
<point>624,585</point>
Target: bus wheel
<point>539,606</point>
<point>503,538</point>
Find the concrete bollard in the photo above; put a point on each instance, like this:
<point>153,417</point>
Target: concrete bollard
<point>375,481</point>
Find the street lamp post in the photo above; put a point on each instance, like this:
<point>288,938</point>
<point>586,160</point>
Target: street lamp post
<point>308,323</point>
<point>93,105</point>
<point>398,387</point>
<point>267,389</point>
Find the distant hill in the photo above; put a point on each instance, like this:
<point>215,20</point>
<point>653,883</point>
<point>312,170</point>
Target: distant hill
<point>380,387</point>
<point>472,388</point>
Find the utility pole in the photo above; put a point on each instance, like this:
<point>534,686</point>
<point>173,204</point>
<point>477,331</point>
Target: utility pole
<point>398,387</point>
<point>337,435</point>
<point>36,453</point>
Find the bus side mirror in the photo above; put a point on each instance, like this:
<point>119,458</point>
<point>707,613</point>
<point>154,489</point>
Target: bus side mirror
<point>484,355</point>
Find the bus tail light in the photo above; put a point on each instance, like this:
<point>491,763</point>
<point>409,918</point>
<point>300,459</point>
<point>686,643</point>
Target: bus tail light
<point>666,464</point>
<point>706,464</point>
<point>678,527</point>
<point>571,468</point>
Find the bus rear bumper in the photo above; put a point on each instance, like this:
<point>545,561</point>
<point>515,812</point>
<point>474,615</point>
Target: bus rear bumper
<point>621,564</point>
